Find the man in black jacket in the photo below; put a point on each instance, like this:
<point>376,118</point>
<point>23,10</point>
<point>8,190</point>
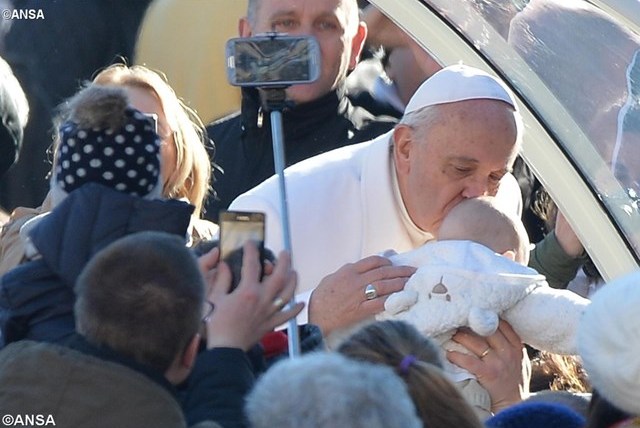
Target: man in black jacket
<point>322,117</point>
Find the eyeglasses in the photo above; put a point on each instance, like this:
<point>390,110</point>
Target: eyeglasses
<point>207,310</point>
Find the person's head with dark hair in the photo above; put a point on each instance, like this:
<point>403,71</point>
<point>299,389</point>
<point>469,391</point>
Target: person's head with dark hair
<point>14,111</point>
<point>416,359</point>
<point>142,296</point>
<point>603,414</point>
<point>578,402</point>
<point>536,414</point>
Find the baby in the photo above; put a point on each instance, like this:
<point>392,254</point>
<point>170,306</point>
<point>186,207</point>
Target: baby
<point>481,221</point>
<point>475,274</point>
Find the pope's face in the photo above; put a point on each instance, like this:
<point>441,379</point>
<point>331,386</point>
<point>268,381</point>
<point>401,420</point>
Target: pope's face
<point>464,153</point>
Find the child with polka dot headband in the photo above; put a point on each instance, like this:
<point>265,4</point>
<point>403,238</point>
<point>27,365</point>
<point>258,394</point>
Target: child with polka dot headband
<point>103,140</point>
<point>105,184</point>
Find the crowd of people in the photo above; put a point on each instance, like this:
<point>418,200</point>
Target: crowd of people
<point>412,277</point>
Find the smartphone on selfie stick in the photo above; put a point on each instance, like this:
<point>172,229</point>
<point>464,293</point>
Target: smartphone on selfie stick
<point>272,62</point>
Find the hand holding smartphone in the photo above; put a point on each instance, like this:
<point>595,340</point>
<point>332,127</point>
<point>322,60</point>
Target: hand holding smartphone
<point>236,228</point>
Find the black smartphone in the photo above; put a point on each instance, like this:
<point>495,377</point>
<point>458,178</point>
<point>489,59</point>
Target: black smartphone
<point>273,59</point>
<point>236,228</point>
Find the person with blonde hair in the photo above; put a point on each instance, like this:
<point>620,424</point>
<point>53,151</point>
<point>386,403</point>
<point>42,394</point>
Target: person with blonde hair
<point>186,168</point>
<point>106,183</point>
<point>187,176</point>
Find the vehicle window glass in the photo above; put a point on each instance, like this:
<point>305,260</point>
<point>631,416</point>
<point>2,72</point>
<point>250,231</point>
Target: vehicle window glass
<point>588,67</point>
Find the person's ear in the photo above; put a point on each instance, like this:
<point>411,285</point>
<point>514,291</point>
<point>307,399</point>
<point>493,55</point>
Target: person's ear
<point>244,28</point>
<point>183,363</point>
<point>190,353</point>
<point>357,44</point>
<point>510,254</point>
<point>402,145</point>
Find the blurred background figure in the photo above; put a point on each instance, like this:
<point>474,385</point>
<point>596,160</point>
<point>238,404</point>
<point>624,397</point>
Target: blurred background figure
<point>384,83</point>
<point>536,415</point>
<point>608,341</point>
<point>14,111</point>
<point>50,57</point>
<point>580,34</point>
<point>186,40</point>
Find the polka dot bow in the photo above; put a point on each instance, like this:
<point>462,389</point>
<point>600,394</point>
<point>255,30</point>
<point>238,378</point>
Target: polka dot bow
<point>125,159</point>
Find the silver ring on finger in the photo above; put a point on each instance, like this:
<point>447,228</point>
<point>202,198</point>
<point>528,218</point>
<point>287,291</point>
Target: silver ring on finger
<point>278,303</point>
<point>370,292</point>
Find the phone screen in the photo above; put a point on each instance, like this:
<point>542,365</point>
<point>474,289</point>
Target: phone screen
<point>271,61</point>
<point>236,228</point>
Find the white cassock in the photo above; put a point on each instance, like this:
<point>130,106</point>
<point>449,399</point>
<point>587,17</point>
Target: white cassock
<point>344,205</point>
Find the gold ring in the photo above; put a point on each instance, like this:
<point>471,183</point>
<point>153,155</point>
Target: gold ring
<point>485,353</point>
<point>278,302</point>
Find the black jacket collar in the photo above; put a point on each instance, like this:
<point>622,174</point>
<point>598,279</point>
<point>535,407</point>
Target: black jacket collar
<point>297,120</point>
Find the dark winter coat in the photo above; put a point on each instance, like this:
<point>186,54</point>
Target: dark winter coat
<point>37,297</point>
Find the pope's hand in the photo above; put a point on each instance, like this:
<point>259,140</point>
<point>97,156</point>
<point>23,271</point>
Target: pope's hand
<point>340,299</point>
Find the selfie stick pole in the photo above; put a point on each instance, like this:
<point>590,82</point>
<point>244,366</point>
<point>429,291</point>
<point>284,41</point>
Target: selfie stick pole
<point>274,101</point>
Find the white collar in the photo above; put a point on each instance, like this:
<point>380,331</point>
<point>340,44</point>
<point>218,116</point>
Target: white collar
<point>418,236</point>
<point>384,224</point>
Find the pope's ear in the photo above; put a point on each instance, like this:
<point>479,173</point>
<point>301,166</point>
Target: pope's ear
<point>402,145</point>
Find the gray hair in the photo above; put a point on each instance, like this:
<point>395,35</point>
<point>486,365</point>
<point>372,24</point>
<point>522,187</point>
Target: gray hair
<point>326,390</point>
<point>422,119</point>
